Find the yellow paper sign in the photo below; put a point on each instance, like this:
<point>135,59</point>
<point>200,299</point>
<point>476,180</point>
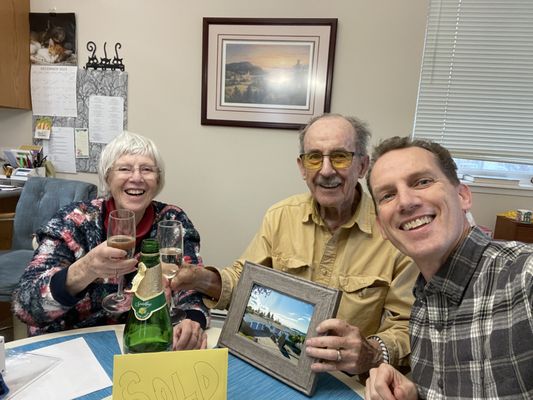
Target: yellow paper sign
<point>193,374</point>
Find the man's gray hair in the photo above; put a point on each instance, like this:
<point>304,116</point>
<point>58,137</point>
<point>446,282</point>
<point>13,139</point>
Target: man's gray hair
<point>361,132</point>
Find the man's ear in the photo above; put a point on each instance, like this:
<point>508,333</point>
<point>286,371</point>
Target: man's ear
<point>465,196</point>
<point>303,171</point>
<point>365,162</point>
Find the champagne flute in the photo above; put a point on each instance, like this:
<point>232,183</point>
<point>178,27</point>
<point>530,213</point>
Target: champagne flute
<point>170,237</point>
<point>120,235</point>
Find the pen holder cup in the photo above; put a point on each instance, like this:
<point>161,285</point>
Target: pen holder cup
<point>41,171</point>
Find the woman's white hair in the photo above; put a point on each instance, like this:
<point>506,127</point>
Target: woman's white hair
<point>128,143</point>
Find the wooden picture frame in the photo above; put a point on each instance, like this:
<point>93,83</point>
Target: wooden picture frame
<point>271,315</point>
<point>266,72</point>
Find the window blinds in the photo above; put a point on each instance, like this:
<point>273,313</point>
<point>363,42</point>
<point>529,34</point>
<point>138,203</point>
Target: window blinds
<point>476,85</point>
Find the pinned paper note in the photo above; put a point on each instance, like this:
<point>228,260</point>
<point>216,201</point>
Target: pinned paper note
<point>81,142</point>
<point>60,149</point>
<point>193,374</point>
<point>106,117</point>
<point>43,126</point>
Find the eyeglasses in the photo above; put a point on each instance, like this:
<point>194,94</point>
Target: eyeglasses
<point>147,171</point>
<point>339,159</point>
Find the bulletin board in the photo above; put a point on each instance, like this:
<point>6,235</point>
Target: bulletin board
<point>90,82</point>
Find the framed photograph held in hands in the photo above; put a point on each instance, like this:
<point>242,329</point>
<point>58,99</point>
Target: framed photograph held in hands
<point>271,315</point>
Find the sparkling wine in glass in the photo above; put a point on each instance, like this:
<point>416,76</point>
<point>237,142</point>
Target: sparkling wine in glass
<point>170,237</point>
<point>121,235</point>
<point>171,259</point>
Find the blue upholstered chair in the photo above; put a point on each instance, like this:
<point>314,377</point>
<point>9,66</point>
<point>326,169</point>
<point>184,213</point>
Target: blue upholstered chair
<point>38,202</point>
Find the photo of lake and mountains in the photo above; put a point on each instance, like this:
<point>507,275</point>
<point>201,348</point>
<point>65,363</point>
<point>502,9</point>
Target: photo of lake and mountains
<point>276,322</point>
<point>267,74</point>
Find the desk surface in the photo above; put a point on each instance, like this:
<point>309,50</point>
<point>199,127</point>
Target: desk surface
<point>106,341</point>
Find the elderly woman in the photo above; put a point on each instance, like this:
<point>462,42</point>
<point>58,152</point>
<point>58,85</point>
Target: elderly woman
<point>73,269</point>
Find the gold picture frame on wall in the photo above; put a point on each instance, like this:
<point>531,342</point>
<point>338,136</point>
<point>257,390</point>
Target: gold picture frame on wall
<point>266,72</point>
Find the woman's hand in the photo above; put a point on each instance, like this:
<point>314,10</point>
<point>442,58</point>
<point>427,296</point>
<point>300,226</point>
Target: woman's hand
<point>188,335</point>
<point>101,262</point>
<point>107,262</point>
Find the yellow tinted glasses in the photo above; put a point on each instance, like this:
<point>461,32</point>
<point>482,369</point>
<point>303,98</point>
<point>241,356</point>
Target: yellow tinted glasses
<point>339,159</point>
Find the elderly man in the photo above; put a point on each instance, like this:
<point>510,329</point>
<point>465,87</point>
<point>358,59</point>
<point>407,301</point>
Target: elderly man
<point>472,320</point>
<point>329,236</point>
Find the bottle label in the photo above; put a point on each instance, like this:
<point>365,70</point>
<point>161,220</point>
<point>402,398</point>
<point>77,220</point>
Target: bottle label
<point>143,308</point>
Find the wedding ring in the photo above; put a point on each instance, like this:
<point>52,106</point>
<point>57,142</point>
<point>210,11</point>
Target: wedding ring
<point>339,357</point>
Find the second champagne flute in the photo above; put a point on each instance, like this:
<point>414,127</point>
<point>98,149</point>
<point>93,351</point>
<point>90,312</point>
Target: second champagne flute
<point>121,235</point>
<point>170,237</point>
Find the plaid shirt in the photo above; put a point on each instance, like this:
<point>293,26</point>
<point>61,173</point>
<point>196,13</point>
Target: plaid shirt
<point>472,324</point>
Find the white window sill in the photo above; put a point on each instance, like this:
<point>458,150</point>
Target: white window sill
<point>524,190</point>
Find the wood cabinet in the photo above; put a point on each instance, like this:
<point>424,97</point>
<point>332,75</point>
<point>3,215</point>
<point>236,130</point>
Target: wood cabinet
<point>509,229</point>
<point>15,54</point>
<point>8,203</point>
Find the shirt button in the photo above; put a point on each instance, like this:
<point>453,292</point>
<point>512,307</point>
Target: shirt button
<point>440,383</point>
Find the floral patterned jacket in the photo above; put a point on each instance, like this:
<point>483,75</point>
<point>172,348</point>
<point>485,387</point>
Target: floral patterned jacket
<point>41,299</point>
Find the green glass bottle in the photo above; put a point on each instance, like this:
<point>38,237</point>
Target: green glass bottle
<point>148,328</point>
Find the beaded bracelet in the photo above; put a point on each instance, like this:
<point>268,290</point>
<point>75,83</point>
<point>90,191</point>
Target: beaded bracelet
<point>383,347</point>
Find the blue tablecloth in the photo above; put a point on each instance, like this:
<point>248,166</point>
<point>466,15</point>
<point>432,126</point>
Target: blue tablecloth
<point>244,380</point>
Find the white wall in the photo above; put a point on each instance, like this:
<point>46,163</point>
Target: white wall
<point>226,177</point>
<point>487,202</point>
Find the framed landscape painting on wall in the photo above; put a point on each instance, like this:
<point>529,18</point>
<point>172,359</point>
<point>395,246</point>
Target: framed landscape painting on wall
<point>270,73</point>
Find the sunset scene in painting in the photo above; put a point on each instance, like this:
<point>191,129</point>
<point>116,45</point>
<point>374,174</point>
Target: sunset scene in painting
<point>267,73</point>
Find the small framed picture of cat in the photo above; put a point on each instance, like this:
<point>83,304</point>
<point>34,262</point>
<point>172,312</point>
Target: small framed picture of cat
<point>53,38</point>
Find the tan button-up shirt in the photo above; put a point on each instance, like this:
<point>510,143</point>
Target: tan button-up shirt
<point>375,278</point>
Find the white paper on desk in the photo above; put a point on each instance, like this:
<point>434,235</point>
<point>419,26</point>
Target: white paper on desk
<point>106,118</point>
<point>78,374</point>
<point>60,149</point>
<point>53,90</point>
<point>8,188</point>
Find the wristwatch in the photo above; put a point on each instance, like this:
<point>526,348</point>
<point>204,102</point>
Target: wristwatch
<point>383,347</point>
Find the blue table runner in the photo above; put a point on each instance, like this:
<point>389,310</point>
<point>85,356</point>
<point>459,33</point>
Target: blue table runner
<point>244,380</point>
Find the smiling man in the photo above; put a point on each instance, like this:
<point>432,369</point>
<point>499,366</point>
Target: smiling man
<point>472,320</point>
<point>330,236</point>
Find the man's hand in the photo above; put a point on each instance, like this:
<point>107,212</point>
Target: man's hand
<point>194,277</point>
<point>185,279</point>
<point>342,348</point>
<point>387,383</point>
<point>188,335</point>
